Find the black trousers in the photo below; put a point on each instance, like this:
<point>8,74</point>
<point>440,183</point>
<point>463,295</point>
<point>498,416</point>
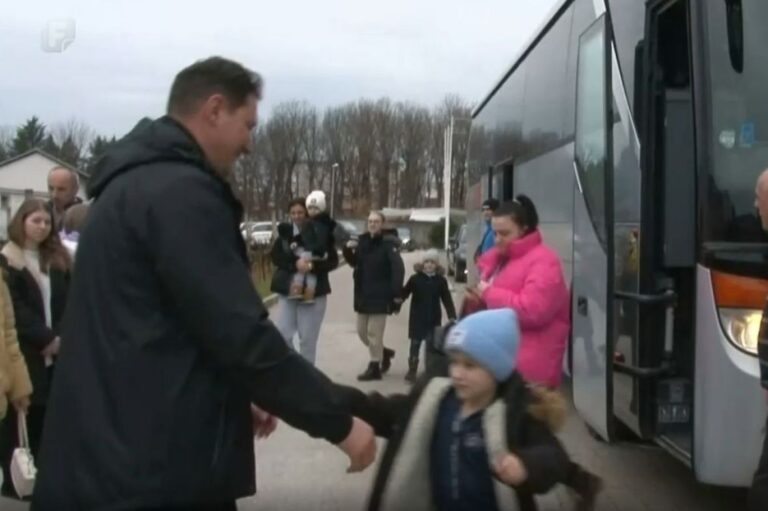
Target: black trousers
<point>9,440</point>
<point>758,494</point>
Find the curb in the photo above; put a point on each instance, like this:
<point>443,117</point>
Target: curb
<point>271,300</point>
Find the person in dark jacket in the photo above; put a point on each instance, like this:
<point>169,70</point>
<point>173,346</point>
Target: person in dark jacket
<point>429,287</point>
<point>487,241</point>
<point>299,317</point>
<point>63,186</point>
<point>471,441</point>
<point>758,493</point>
<point>37,267</point>
<point>378,275</point>
<point>317,242</point>
<point>167,345</point>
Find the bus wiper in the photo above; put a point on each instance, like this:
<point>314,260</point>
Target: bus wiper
<point>735,24</point>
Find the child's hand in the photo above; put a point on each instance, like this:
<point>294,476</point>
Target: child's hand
<point>510,470</point>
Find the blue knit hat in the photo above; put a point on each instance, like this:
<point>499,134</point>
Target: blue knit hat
<point>490,338</point>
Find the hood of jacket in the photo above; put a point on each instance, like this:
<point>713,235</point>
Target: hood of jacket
<point>419,267</point>
<point>162,140</point>
<point>325,219</point>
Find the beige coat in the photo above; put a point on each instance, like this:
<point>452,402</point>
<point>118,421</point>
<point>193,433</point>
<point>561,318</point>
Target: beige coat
<point>14,379</point>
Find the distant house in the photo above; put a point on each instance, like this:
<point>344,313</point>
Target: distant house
<point>26,175</point>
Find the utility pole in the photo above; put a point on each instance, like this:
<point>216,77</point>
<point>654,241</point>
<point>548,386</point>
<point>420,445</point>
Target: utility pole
<point>447,171</point>
<point>334,168</point>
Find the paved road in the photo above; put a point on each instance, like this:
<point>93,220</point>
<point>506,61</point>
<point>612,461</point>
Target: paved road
<point>297,473</point>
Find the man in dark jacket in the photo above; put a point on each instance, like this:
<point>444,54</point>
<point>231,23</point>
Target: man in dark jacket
<point>166,344</point>
<point>758,495</point>
<point>63,186</point>
<point>378,274</point>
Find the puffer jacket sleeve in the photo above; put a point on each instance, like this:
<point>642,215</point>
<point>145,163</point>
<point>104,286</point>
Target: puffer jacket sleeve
<point>541,298</point>
<point>486,262</point>
<point>20,384</point>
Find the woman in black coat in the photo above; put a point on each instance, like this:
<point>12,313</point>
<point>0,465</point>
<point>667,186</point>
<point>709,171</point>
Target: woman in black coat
<point>37,267</point>
<point>428,287</point>
<point>378,275</point>
<point>297,316</point>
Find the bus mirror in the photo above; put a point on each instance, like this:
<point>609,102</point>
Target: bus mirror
<point>735,23</point>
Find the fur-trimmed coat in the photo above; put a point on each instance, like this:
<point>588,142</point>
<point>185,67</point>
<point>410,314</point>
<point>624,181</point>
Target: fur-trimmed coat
<point>14,378</point>
<point>426,293</point>
<point>519,421</point>
<point>33,332</point>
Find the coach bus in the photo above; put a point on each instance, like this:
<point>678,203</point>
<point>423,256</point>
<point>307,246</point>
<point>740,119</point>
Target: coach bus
<point>637,129</point>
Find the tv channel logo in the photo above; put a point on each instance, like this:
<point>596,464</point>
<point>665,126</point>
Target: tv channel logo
<point>58,35</point>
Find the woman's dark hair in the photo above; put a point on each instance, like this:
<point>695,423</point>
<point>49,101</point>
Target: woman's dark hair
<point>522,211</point>
<point>298,201</point>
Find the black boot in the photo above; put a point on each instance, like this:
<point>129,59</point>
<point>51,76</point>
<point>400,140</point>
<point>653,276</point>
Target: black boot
<point>372,373</point>
<point>386,363</point>
<point>413,366</point>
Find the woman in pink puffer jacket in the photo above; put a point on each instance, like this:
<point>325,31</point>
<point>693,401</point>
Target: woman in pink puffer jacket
<point>522,273</point>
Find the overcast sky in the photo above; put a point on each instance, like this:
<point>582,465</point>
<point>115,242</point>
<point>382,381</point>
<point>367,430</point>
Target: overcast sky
<point>125,54</point>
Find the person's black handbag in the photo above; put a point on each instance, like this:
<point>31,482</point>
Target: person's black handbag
<point>436,359</point>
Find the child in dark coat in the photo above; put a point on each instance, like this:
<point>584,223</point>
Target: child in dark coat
<point>471,441</point>
<point>429,287</point>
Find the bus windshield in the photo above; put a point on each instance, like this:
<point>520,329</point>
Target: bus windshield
<point>738,74</point>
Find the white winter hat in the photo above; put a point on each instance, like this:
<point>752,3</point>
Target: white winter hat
<point>431,255</point>
<point>316,199</point>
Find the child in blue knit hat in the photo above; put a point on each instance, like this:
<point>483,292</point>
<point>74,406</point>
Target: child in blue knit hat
<point>469,441</point>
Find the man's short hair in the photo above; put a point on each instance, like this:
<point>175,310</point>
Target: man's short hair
<point>492,204</point>
<point>214,75</point>
<point>72,174</point>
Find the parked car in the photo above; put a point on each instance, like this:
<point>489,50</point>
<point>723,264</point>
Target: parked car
<point>257,233</point>
<point>407,243</point>
<point>457,255</point>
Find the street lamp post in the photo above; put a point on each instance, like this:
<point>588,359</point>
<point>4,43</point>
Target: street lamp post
<point>334,167</point>
<point>448,172</point>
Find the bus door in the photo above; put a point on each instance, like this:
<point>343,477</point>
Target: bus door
<point>661,358</point>
<point>591,348</point>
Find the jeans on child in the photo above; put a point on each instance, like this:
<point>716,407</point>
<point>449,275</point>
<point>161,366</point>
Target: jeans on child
<point>303,282</point>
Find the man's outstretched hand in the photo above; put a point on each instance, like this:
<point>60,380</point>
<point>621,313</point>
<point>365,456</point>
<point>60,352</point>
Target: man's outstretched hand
<point>360,446</point>
<point>264,424</point>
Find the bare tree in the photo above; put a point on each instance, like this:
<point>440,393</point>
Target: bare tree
<point>73,138</point>
<point>363,124</point>
<point>452,107</point>
<point>283,147</point>
<point>387,140</point>
<point>414,140</point>
<point>313,145</point>
<point>340,149</point>
<point>7,134</point>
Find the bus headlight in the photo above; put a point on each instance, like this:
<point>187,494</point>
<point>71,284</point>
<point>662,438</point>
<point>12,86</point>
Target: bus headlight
<point>742,326</point>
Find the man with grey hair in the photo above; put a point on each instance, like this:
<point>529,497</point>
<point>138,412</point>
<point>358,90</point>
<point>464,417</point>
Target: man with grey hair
<point>171,364</point>
<point>63,186</point>
<point>758,495</point>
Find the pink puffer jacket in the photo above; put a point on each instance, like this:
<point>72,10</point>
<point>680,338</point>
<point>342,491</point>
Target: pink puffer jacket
<point>528,278</point>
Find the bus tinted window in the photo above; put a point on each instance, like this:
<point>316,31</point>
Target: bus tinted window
<point>590,124</point>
